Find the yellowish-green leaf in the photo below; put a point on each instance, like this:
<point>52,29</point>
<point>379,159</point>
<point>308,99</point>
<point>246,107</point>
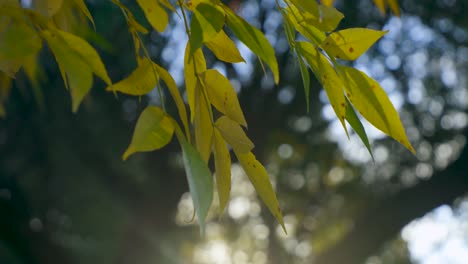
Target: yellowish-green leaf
<point>207,22</point>
<point>168,5</point>
<point>171,85</point>
<point>84,9</point>
<point>327,75</point>
<point>372,102</point>
<point>154,130</point>
<point>351,43</point>
<point>195,61</point>
<point>222,160</point>
<point>132,23</point>
<point>10,67</point>
<point>155,14</point>
<point>141,81</point>
<point>329,18</point>
<point>234,135</point>
<point>261,181</point>
<point>47,8</point>
<point>305,75</point>
<point>200,181</point>
<point>254,39</point>
<point>76,73</point>
<point>203,125</point>
<point>356,124</point>
<point>87,53</point>
<point>224,48</point>
<point>393,4</point>
<point>223,96</point>
<point>327,2</point>
<point>300,22</point>
<point>18,41</point>
<point>381,5</point>
<point>306,5</point>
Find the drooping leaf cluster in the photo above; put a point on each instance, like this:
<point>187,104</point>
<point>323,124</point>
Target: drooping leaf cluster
<point>203,132</point>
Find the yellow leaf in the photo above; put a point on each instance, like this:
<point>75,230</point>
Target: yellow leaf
<point>303,25</point>
<point>223,96</point>
<point>327,2</point>
<point>154,129</point>
<point>155,14</point>
<point>141,81</point>
<point>306,5</point>
<point>18,41</point>
<point>349,44</point>
<point>381,5</point>
<point>171,85</point>
<point>327,75</point>
<point>224,48</point>
<point>254,39</point>
<point>191,75</point>
<point>222,160</point>
<point>168,5</point>
<point>393,4</point>
<point>84,9</point>
<point>207,21</point>
<point>234,135</point>
<point>261,181</point>
<point>372,102</point>
<point>202,124</point>
<point>47,8</point>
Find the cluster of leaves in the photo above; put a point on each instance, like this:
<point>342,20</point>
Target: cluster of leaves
<point>216,120</point>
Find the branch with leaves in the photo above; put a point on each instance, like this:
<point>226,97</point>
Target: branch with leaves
<point>310,30</point>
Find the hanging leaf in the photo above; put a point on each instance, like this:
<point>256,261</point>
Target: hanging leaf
<point>195,61</point>
<point>351,43</point>
<point>234,135</point>
<point>203,125</point>
<point>327,76</point>
<point>372,102</point>
<point>393,4</point>
<point>356,124</point>
<point>327,2</point>
<point>155,14</point>
<point>18,41</point>
<point>223,96</point>
<point>305,76</point>
<point>47,8</point>
<point>141,81</point>
<point>303,26</point>
<point>175,93</point>
<point>261,181</point>
<point>254,39</point>
<point>153,130</point>
<point>84,9</point>
<point>306,6</point>
<point>381,5</point>
<point>207,22</point>
<point>222,160</point>
<point>200,181</point>
<point>224,48</point>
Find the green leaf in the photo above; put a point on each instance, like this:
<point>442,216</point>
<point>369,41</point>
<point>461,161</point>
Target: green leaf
<point>153,130</point>
<point>84,9</point>
<point>224,48</point>
<point>141,81</point>
<point>327,76</point>
<point>47,8</point>
<point>351,43</point>
<point>298,20</point>
<point>200,181</point>
<point>356,124</point>
<point>374,105</point>
<point>223,96</point>
<point>305,76</point>
<point>155,14</point>
<point>254,39</point>
<point>261,181</point>
<point>207,22</point>
<point>195,61</point>
<point>18,41</point>
<point>203,125</point>
<point>306,5</point>
<point>234,135</point>
<point>222,160</point>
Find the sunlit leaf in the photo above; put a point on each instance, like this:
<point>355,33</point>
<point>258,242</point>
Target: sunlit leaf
<point>223,96</point>
<point>373,104</point>
<point>155,14</point>
<point>153,130</point>
<point>299,20</point>
<point>175,93</point>
<point>356,124</point>
<point>327,2</point>
<point>351,43</point>
<point>84,9</point>
<point>327,75</point>
<point>195,61</point>
<point>206,23</point>
<point>200,181</point>
<point>224,48</point>
<point>234,135</point>
<point>141,81</point>
<point>254,39</point>
<point>261,181</point>
<point>306,5</point>
<point>222,160</point>
<point>47,8</point>
<point>203,125</point>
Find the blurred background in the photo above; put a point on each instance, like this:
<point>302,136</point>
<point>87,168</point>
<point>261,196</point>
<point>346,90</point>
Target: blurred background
<point>67,197</point>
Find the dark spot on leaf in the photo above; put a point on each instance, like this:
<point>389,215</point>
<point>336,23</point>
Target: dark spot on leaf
<point>351,50</point>
<point>149,10</point>
<point>343,105</point>
<point>342,117</point>
<point>253,165</point>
